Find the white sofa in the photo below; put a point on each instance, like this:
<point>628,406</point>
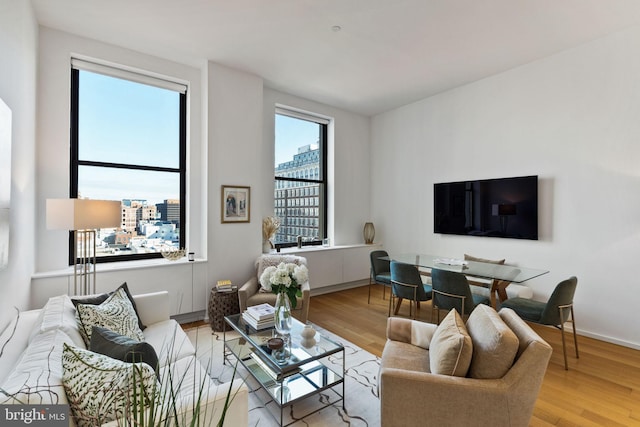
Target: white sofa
<point>31,368</point>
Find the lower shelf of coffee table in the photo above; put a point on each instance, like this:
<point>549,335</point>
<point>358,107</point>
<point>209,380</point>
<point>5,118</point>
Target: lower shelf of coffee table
<point>285,387</point>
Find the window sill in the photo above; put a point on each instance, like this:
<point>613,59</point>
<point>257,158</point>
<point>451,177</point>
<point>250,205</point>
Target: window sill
<point>320,248</point>
<point>121,266</point>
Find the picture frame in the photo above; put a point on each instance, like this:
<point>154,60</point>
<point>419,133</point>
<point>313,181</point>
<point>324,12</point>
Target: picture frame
<point>235,204</point>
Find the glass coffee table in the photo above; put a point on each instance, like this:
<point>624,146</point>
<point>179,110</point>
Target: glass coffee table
<point>305,373</point>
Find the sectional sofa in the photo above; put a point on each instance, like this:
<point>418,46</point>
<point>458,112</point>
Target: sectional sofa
<point>44,359</point>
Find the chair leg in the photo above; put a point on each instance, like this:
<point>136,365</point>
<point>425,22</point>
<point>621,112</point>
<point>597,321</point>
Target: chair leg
<point>575,337</point>
<point>369,299</point>
<point>398,304</point>
<point>564,344</point>
<point>384,291</point>
<point>390,300</point>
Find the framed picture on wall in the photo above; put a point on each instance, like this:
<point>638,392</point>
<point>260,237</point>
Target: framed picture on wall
<point>235,203</point>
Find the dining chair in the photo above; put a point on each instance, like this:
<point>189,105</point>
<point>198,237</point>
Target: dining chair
<point>380,273</point>
<point>555,312</point>
<point>451,290</point>
<point>406,283</point>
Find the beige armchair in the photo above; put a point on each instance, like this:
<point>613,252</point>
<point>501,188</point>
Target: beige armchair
<point>250,293</point>
<point>407,385</point>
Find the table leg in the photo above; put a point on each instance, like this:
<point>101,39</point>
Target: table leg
<point>502,290</point>
<point>499,287</point>
<point>492,296</point>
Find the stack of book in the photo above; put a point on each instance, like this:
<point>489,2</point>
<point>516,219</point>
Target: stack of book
<point>225,286</point>
<point>259,316</point>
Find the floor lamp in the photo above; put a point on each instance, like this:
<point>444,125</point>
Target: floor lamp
<point>83,217</point>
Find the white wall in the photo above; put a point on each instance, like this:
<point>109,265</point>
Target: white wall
<point>19,47</point>
<point>348,146</point>
<point>230,142</point>
<point>235,153</point>
<point>52,160</point>
<point>573,120</point>
<point>241,152</point>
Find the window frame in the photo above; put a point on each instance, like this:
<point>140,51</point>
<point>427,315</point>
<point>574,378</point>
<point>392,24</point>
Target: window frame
<point>322,180</point>
<point>75,162</point>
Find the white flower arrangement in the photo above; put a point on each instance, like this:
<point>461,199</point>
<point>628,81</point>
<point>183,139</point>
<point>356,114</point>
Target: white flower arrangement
<point>285,278</point>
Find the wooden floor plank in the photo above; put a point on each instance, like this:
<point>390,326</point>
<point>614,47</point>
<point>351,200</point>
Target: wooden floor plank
<point>601,388</point>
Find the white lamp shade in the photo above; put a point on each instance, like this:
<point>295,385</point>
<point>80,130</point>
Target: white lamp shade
<point>82,214</point>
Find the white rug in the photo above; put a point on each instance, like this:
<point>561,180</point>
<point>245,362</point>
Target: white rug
<point>361,379</point>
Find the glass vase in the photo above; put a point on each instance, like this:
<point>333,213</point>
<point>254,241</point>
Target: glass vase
<point>283,317</point>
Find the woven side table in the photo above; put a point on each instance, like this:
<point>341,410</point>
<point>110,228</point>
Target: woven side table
<point>222,304</point>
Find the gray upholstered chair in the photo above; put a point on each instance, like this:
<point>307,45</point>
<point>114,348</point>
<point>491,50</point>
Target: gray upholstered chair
<point>251,293</point>
<point>451,290</point>
<point>406,283</point>
<point>412,396</point>
<point>555,312</point>
<point>380,273</point>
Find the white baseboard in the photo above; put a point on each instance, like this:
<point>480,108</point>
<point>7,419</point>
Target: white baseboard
<point>340,287</point>
<point>195,316</point>
<point>605,338</point>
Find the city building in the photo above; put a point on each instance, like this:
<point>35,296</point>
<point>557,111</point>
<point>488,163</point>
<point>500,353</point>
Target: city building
<point>169,210</point>
<point>297,204</point>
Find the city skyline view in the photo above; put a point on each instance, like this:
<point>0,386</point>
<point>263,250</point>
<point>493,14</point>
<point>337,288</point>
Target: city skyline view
<point>128,122</point>
<point>121,121</point>
<point>125,127</point>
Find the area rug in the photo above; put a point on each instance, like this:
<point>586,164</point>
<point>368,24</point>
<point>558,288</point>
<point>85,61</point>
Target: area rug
<point>361,386</point>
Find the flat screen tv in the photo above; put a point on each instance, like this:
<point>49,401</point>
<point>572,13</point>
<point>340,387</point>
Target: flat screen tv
<point>504,207</point>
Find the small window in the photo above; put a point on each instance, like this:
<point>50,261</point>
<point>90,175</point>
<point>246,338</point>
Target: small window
<point>300,170</point>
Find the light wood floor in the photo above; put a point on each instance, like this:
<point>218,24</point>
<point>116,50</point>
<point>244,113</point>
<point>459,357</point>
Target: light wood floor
<point>601,388</point>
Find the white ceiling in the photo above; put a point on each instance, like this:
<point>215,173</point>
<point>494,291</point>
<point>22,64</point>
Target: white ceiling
<point>388,53</point>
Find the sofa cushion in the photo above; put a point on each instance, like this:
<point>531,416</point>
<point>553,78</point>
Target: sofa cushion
<point>98,299</point>
<point>100,389</point>
<point>58,313</point>
<point>14,340</point>
<point>405,356</point>
<point>37,377</point>
<point>169,340</point>
<point>115,313</point>
<point>494,344</point>
<point>123,348</point>
<point>450,349</point>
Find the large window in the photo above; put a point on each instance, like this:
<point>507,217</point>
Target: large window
<point>300,199</point>
<point>128,143</point>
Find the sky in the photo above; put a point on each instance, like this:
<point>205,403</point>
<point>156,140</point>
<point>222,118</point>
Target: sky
<point>119,120</point>
<point>292,133</point>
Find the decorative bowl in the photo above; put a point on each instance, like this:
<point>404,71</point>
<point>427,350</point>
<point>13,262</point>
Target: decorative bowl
<point>173,254</point>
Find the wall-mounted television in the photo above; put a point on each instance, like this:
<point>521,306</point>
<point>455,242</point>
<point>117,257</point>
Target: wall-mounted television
<point>503,207</point>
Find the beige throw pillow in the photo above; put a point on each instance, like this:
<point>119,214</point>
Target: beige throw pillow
<point>494,344</point>
<point>488,261</point>
<point>498,283</point>
<point>450,349</point>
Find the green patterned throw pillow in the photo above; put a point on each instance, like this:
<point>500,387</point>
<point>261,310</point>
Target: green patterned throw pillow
<point>116,313</point>
<point>101,389</point>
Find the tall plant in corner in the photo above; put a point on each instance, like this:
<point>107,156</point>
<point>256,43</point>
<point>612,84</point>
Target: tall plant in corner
<point>166,408</point>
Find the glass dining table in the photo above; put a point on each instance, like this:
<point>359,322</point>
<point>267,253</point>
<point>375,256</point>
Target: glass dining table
<point>498,274</point>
